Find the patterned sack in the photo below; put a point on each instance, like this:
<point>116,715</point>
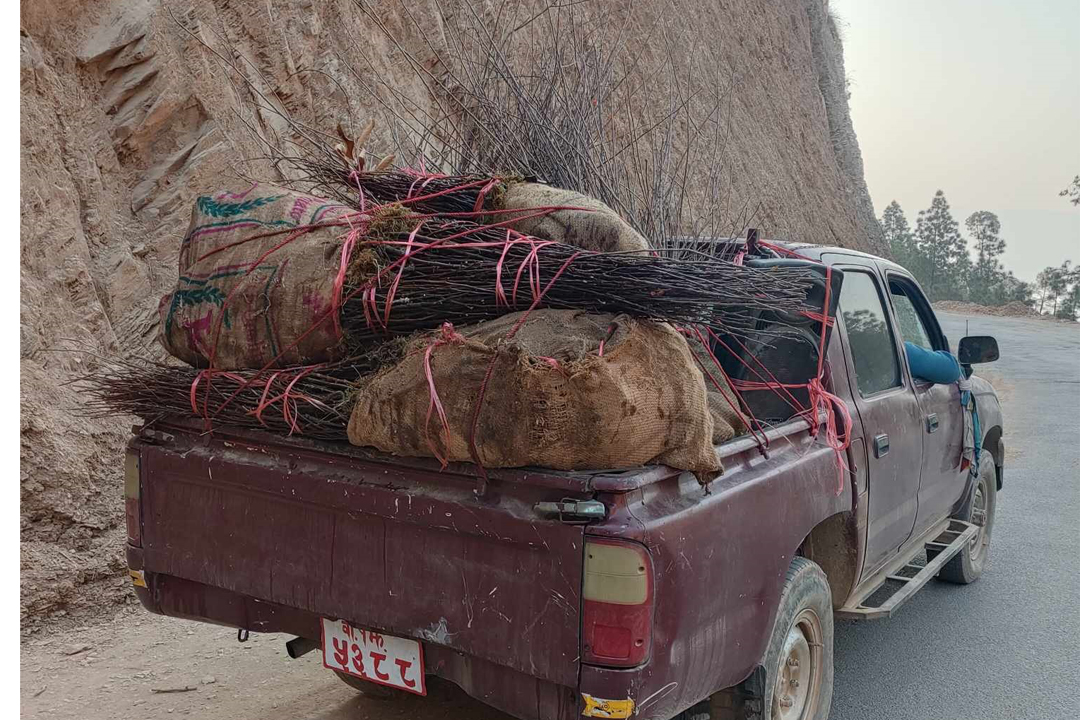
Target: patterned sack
<point>254,280</point>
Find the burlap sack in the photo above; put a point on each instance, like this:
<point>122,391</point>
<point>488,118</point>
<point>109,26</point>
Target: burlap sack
<point>262,309</point>
<point>550,398</point>
<point>727,423</point>
<point>599,228</point>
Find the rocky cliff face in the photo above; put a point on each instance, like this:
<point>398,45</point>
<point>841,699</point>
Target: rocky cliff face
<point>131,107</point>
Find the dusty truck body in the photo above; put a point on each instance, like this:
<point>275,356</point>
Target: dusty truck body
<point>633,593</point>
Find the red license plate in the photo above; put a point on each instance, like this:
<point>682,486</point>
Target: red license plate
<point>383,659</point>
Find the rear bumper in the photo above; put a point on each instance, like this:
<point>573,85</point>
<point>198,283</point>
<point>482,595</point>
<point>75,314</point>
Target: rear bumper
<point>513,692</point>
<point>516,693</point>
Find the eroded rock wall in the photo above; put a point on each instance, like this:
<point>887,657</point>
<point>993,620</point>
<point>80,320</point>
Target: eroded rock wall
<point>131,107</point>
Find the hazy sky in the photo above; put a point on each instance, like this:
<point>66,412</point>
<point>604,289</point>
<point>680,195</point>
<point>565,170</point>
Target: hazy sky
<point>980,98</point>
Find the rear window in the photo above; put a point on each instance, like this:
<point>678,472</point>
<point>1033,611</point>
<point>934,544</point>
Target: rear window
<point>873,350</point>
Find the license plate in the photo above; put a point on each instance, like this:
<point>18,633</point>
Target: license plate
<point>383,659</point>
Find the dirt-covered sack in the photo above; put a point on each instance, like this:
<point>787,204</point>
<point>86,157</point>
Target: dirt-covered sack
<point>569,391</point>
<point>722,399</point>
<point>727,423</point>
<point>263,308</point>
<point>597,227</point>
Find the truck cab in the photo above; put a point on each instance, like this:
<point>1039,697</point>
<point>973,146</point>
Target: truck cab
<point>633,593</point>
<point>905,417</point>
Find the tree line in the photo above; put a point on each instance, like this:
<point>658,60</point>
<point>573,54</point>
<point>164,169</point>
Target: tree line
<point>937,254</point>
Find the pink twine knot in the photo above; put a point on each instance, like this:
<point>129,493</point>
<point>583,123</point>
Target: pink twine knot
<point>446,336</point>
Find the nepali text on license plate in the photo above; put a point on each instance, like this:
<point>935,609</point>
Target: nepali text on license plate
<point>382,659</point>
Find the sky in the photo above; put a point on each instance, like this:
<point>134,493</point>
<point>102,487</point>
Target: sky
<point>978,98</point>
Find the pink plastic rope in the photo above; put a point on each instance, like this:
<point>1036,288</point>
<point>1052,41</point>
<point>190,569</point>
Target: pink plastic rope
<point>447,335</point>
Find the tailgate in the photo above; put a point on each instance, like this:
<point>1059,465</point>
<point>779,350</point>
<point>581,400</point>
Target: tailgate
<point>406,550</point>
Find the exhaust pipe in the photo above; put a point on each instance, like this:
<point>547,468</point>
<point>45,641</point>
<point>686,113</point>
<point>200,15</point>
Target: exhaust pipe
<point>298,647</point>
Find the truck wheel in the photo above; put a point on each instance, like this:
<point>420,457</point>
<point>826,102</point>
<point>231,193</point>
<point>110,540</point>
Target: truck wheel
<point>799,659</point>
<point>968,564</point>
<point>795,679</point>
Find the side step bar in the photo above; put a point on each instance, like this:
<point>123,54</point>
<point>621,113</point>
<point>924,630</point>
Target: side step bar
<point>948,542</point>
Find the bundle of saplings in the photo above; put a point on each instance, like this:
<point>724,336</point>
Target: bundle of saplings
<point>466,318</point>
<point>272,278</point>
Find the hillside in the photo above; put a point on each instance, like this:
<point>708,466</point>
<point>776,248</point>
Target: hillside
<point>126,115</point>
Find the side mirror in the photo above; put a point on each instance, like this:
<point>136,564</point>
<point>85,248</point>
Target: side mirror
<point>978,349</point>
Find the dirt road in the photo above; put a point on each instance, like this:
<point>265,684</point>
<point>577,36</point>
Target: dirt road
<point>140,666</point>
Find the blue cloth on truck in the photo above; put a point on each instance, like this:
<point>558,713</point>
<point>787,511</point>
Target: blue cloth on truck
<point>942,367</point>
<point>936,366</point>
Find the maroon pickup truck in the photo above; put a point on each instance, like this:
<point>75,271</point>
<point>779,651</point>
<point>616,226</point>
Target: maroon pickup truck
<point>632,593</point>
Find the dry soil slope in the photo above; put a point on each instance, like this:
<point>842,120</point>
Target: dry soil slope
<point>126,116</point>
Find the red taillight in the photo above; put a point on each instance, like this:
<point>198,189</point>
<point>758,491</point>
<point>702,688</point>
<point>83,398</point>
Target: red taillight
<point>618,603</point>
<point>132,506</point>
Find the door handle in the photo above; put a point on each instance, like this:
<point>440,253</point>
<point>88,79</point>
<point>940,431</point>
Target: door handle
<point>881,445</point>
<point>931,423</point>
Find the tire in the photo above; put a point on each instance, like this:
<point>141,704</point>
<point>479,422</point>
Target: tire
<point>806,591</point>
<point>968,564</point>
<point>803,631</point>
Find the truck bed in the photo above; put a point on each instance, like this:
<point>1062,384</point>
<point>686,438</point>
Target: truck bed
<point>270,534</point>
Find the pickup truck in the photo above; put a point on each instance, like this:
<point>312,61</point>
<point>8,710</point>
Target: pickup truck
<point>552,595</point>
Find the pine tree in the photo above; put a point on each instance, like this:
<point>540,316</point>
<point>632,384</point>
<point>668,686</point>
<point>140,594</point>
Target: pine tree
<point>942,249</point>
<point>898,235</point>
<point>1072,191</point>
<point>1060,280</point>
<point>1054,284</point>
<point>1008,288</point>
<point>1071,304</point>
<point>1043,284</point>
<point>985,229</point>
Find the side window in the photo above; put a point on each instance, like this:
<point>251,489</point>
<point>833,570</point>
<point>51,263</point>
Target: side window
<point>873,350</point>
<point>913,327</point>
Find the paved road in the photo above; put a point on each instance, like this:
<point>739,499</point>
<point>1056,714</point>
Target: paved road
<point>1004,648</point>
<point>1007,646</point>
